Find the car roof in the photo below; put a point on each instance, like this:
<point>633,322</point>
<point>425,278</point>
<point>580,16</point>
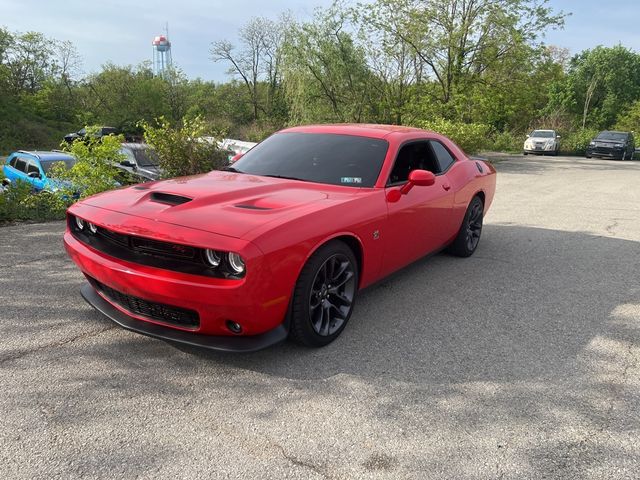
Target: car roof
<point>47,155</point>
<point>356,129</point>
<point>614,131</point>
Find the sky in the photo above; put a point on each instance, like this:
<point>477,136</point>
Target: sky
<point>121,31</point>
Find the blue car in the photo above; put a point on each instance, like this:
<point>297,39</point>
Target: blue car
<point>34,167</point>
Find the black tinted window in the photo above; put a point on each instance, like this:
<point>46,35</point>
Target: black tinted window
<point>442,154</point>
<point>13,161</point>
<point>615,136</point>
<point>21,165</point>
<point>317,157</point>
<point>413,156</point>
<point>146,157</point>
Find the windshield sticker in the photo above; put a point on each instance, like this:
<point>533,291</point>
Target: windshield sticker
<point>351,180</point>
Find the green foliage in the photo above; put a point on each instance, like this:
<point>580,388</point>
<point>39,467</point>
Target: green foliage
<point>94,170</point>
<point>18,202</point>
<point>577,142</point>
<point>629,121</point>
<point>182,149</point>
<point>471,137</point>
<point>506,142</point>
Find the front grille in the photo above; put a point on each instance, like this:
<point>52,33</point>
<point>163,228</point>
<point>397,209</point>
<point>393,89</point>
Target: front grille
<point>181,317</point>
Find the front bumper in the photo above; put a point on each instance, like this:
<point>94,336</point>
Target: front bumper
<point>255,302</point>
<point>605,152</point>
<point>239,344</point>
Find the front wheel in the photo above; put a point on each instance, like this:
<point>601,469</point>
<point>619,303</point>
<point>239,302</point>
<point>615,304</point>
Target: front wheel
<point>324,295</point>
<point>468,236</point>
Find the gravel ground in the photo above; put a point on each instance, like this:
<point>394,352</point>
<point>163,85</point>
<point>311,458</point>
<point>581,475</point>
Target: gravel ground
<point>519,362</point>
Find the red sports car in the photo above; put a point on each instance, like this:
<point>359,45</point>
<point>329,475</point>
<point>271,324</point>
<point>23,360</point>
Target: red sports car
<point>279,243</point>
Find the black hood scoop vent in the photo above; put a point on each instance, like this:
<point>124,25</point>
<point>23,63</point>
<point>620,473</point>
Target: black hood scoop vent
<point>252,207</point>
<point>169,198</point>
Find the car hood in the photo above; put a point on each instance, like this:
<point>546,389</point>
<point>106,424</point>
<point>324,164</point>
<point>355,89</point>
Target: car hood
<point>224,203</point>
<point>540,139</point>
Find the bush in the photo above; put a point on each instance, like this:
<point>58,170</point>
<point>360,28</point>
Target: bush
<point>470,137</point>
<point>508,142</point>
<point>576,143</point>
<point>19,202</point>
<point>183,150</point>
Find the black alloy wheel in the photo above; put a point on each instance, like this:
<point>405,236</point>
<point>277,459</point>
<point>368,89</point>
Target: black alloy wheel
<point>468,236</point>
<point>325,295</point>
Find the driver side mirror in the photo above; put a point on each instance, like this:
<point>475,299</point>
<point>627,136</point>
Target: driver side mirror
<point>236,157</point>
<point>420,178</point>
<point>127,163</point>
<point>34,175</point>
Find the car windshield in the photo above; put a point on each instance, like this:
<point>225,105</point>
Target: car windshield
<point>145,157</point>
<point>47,164</point>
<point>334,159</point>
<point>616,136</point>
<point>542,134</point>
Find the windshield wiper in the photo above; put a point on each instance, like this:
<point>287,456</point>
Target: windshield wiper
<point>232,169</point>
<point>286,178</point>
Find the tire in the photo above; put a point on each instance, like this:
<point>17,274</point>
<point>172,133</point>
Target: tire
<point>525,153</point>
<point>624,155</point>
<point>320,310</point>
<point>468,236</point>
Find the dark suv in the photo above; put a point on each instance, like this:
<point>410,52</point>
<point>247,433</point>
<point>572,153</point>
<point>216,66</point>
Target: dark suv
<point>618,145</point>
<point>82,133</point>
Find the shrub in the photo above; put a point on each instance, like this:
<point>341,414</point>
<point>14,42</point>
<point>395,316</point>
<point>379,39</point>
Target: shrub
<point>19,202</point>
<point>506,142</point>
<point>577,142</point>
<point>183,150</point>
<point>471,137</point>
<point>94,170</point>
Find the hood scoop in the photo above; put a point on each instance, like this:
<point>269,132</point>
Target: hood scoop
<point>169,198</point>
<point>252,207</point>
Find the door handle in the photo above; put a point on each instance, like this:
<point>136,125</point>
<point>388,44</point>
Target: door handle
<point>446,186</point>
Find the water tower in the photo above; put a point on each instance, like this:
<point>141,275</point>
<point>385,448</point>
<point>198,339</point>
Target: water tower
<point>161,54</point>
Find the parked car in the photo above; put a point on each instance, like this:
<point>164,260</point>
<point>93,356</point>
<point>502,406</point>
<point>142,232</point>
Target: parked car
<point>279,243</point>
<point>82,133</point>
<point>34,168</point>
<point>608,144</point>
<point>542,141</point>
<point>141,161</point>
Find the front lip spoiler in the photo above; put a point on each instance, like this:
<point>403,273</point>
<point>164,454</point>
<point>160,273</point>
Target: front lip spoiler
<point>239,344</point>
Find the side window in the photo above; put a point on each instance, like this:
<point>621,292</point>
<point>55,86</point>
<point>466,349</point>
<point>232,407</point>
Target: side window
<point>445,159</point>
<point>13,162</point>
<point>413,156</point>
<point>32,167</point>
<point>21,165</point>
<point>129,155</point>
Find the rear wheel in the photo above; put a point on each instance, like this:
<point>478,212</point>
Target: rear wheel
<point>324,295</point>
<point>468,236</point>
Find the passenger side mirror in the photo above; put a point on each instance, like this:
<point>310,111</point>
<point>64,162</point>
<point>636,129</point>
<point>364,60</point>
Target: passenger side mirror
<point>558,136</point>
<point>528,135</point>
<point>127,163</point>
<point>34,175</point>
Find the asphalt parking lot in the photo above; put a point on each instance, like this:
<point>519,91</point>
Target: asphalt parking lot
<point>519,362</point>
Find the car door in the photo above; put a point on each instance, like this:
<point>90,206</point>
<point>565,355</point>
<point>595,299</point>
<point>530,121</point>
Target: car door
<point>17,170</point>
<point>34,174</point>
<point>420,221</point>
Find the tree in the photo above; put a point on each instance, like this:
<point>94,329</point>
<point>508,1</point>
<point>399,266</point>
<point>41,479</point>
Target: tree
<point>458,41</point>
<point>326,73</point>
<point>258,59</point>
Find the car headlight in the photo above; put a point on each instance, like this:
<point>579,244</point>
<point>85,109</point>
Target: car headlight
<point>79,223</point>
<point>236,262</point>
<point>618,145</point>
<point>212,257</point>
<point>92,228</point>
<point>592,144</point>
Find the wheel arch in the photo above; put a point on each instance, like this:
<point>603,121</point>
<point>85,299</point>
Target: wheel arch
<point>352,240</point>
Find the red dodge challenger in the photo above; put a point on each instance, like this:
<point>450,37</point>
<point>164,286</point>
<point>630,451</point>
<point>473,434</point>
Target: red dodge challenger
<point>279,243</point>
